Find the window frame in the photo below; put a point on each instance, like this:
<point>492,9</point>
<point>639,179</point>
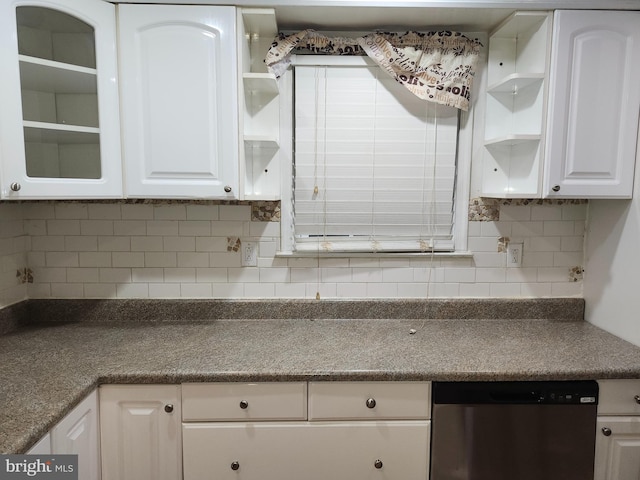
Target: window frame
<point>463,177</point>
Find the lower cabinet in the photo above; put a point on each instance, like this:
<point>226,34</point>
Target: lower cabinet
<point>140,432</point>
<point>356,430</point>
<point>618,431</point>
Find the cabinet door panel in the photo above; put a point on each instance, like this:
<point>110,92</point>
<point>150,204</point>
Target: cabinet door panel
<point>179,100</point>
<point>618,454</point>
<point>594,103</point>
<point>140,440</point>
<point>318,451</point>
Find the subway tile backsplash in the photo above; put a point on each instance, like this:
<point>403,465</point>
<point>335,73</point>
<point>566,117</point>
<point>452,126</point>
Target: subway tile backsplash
<point>190,250</point>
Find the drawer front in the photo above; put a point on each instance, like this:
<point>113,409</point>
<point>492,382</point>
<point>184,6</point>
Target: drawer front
<point>619,397</point>
<point>244,401</point>
<point>369,400</point>
<point>304,450</point>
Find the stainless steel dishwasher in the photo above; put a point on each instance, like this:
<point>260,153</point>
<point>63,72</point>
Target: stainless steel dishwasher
<point>513,430</point>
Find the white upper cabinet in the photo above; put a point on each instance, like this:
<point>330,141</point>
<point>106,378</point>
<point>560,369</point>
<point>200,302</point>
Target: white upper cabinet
<point>594,104</point>
<point>178,71</point>
<point>59,121</point>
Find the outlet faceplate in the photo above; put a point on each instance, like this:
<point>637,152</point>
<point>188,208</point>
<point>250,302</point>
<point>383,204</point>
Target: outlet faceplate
<point>249,254</point>
<point>514,255</point>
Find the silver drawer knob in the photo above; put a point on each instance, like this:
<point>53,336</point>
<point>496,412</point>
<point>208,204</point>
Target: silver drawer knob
<point>637,399</point>
<point>244,404</point>
<point>227,189</point>
<point>378,464</point>
<point>235,465</point>
<point>606,431</point>
<point>556,188</point>
<point>370,403</point>
<point>15,186</point>
<point>168,408</point>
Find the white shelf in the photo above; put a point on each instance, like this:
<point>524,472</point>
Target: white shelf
<point>260,82</point>
<point>515,82</point>
<point>518,23</point>
<point>511,140</point>
<point>260,21</point>
<point>41,132</point>
<point>49,76</point>
<point>262,141</point>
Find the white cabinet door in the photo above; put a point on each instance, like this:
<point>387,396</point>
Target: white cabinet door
<point>140,432</point>
<point>617,448</point>
<point>77,433</point>
<point>313,451</point>
<point>43,447</point>
<point>179,97</point>
<point>59,121</point>
<point>594,104</point>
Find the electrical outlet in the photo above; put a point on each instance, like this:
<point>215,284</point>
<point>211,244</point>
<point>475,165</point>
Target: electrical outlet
<point>249,254</point>
<point>514,255</point>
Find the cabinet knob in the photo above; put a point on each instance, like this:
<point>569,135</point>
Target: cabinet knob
<point>371,402</point>
<point>378,464</point>
<point>235,465</point>
<point>606,431</point>
<point>15,186</point>
<point>637,399</point>
<point>244,404</point>
<point>168,408</point>
<point>227,189</point>
<point>556,188</point>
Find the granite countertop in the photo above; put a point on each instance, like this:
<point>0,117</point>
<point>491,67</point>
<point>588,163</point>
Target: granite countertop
<point>59,351</point>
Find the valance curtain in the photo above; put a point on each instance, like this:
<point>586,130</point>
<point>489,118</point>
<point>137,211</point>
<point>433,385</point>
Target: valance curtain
<point>435,66</point>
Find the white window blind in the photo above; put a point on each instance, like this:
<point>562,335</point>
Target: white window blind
<point>375,166</point>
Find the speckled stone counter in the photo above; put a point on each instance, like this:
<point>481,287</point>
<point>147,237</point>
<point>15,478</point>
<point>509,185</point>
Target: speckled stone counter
<point>62,350</point>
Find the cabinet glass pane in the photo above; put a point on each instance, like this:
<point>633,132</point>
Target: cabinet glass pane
<point>59,94</point>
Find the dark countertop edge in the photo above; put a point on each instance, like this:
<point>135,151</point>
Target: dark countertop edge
<point>39,311</point>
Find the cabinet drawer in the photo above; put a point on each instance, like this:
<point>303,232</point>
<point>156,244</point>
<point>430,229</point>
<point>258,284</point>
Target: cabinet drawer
<point>619,397</point>
<point>369,400</point>
<point>244,401</point>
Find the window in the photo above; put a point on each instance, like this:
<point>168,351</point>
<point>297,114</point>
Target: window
<point>375,168</point>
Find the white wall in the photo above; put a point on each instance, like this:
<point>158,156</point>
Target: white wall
<point>612,263</point>
<point>173,250</point>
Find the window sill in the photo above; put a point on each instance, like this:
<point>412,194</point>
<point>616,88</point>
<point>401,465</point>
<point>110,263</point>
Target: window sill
<point>324,254</point>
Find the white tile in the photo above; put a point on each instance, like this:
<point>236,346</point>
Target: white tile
<point>579,227</point>
<point>62,259</point>
<point>544,244</point>
<point>537,259</point>
<point>35,227</point>
<point>193,259</point>
<point>36,259</point>
<point>274,275</point>
<point>496,229</point>
<point>412,290</point>
<point>38,211</point>
<point>535,290</point>
<point>475,290</point>
<point>290,290</point>
<point>169,212</point>
<point>211,244</point>
<point>382,290</point>
<point>81,243</point>
<point>367,274</point>
<point>568,289</point>
<point>104,211</point>
<point>520,275</point>
<point>304,275</point>
<point>147,244</point>
<point>397,275</point>
<point>574,212</point>
<point>559,228</point>
<point>326,290</point>
<point>483,244</point>
<point>164,290</point>
<point>264,229</point>
<point>337,275</point>
<point>67,290</point>
<point>195,290</point>
<point>489,259</point>
<point>568,259</point>
<point>546,212</point>
<point>63,227</point>
<point>94,259</point>
<point>71,211</point>
<point>162,227</point>
<point>474,229</point>
<point>227,259</point>
<point>211,275</point>
<point>179,244</point>
<point>100,290</point>
<point>225,229</point>
<point>82,275</point>
<point>147,275</point>
<point>329,262</point>
<point>50,275</point>
<point>160,259</point>
<point>235,212</point>
<point>444,290</point>
<point>527,229</point>
<point>47,243</point>
<point>128,259</point>
<point>195,228</point>
<point>572,244</point>
<point>510,213</point>
<point>351,290</point>
<point>96,227</point>
<point>460,275</point>
<point>505,290</point>
<point>114,275</point>
<point>227,290</point>
<point>202,212</point>
<point>137,211</point>
<point>553,274</point>
<point>132,290</point>
<point>244,275</point>
<point>180,275</point>
<point>260,290</point>
<point>129,227</point>
<point>267,249</point>
<point>114,244</point>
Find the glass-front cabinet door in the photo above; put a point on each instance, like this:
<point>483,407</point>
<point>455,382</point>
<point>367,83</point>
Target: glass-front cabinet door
<point>59,121</point>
